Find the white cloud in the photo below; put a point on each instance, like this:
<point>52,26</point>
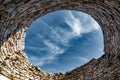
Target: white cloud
<point>78,27</point>
<point>40,61</point>
<point>58,34</point>
<point>35,48</point>
<point>53,48</point>
<point>83,59</point>
<point>95,25</point>
<point>74,23</point>
<point>52,51</point>
<point>61,36</point>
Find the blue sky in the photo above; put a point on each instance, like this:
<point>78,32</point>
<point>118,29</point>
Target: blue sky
<point>63,40</point>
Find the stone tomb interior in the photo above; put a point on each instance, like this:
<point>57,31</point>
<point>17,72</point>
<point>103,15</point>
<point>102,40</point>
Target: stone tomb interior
<point>17,15</point>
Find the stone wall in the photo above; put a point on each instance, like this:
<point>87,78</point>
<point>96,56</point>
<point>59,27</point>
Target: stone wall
<point>17,15</point>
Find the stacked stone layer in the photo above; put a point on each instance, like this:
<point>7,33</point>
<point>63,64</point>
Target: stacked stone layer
<point>16,17</point>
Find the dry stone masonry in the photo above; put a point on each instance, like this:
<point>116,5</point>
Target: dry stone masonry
<point>16,17</point>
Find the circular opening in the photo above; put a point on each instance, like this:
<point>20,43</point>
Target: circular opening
<point>63,40</point>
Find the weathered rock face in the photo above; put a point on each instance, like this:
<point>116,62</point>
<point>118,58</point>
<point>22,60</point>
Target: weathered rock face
<point>17,15</point>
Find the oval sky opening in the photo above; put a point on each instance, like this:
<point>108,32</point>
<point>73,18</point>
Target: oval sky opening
<point>63,40</point>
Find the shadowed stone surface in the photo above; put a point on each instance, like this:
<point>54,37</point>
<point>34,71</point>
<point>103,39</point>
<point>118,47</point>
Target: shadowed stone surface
<point>16,17</point>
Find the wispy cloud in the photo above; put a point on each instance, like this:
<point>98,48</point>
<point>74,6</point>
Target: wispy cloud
<point>52,51</point>
<point>82,59</point>
<point>40,61</point>
<point>35,48</point>
<point>58,34</point>
<point>74,23</point>
<point>60,37</point>
<point>77,26</point>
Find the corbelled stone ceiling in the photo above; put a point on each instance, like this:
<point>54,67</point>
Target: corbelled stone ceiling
<point>16,17</point>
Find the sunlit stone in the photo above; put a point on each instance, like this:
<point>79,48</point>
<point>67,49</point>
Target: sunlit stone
<point>2,77</point>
